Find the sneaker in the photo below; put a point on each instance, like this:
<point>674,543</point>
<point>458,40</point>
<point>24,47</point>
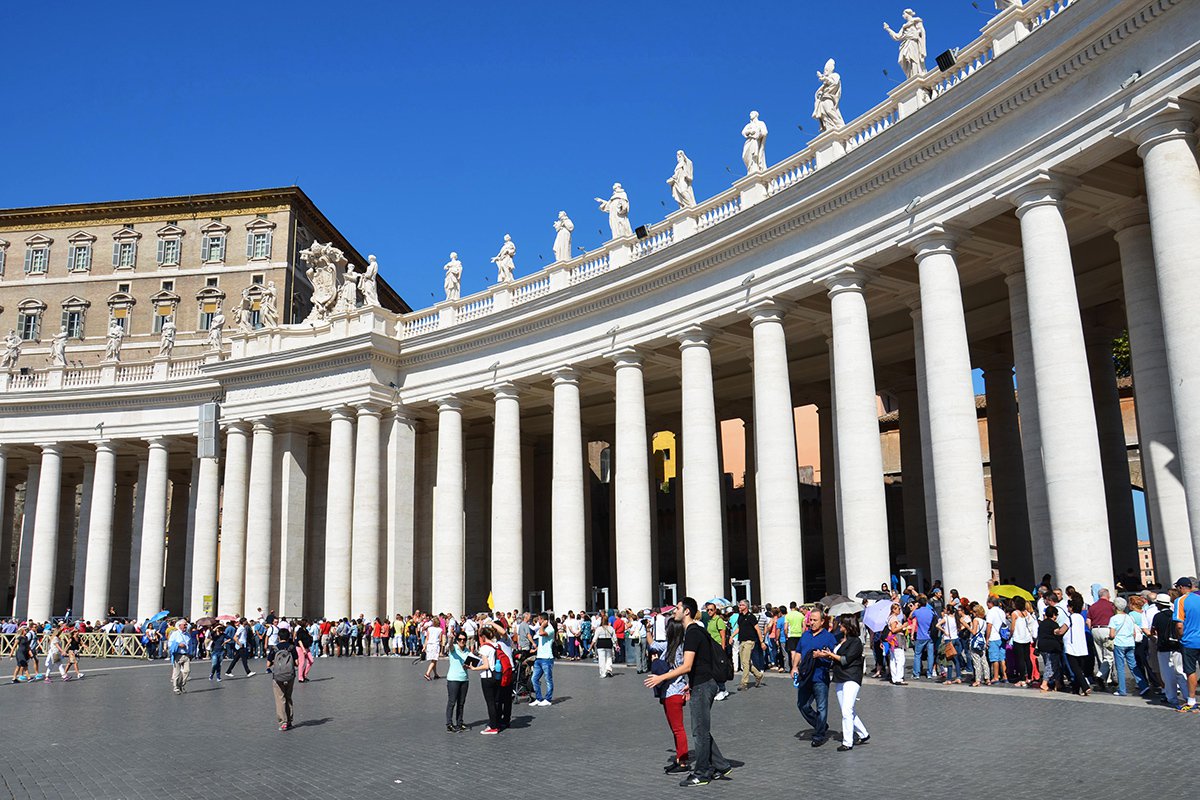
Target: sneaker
<point>461,727</point>
<point>251,674</point>
<point>865,740</point>
<point>451,729</point>
<point>842,748</point>
<point>218,678</point>
<point>818,742</point>
<point>490,731</point>
<point>721,695</point>
<point>283,726</point>
<point>694,780</point>
<point>723,774</point>
<point>210,677</point>
<point>675,767</point>
<point>1183,709</point>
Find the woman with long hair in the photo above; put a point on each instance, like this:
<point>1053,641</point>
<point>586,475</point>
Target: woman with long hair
<point>847,674</point>
<point>897,642</point>
<point>1076,645</point>
<point>674,695</point>
<point>1023,625</point>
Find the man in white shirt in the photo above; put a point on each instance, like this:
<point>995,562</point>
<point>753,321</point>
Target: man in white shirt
<point>995,620</point>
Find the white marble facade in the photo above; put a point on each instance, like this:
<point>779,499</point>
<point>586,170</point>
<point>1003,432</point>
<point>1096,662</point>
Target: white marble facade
<point>375,463</point>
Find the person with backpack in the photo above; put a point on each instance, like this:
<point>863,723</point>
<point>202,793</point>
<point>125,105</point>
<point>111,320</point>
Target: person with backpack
<point>282,667</point>
<point>674,695</point>
<point>495,677</point>
<point>705,663</point>
<point>979,646</point>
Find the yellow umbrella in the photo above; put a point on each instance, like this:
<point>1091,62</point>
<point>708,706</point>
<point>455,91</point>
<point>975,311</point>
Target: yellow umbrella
<point>1008,590</point>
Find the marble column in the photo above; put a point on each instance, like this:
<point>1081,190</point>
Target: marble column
<point>231,591</point>
<point>1013,544</point>
<point>100,533</point>
<point>631,474</point>
<point>260,517</point>
<point>507,573</point>
<point>928,481</point>
<point>700,470</point>
<point>568,550</point>
<point>1066,416</point>
<point>154,527</point>
<point>960,504</point>
<point>449,526</point>
<point>118,582</point>
<point>181,490</point>
<point>6,529</point>
<point>1114,453</point>
<point>1037,500</point>
<point>189,554</point>
<point>25,552</point>
<point>1166,502</point>
<point>339,513</point>
<point>401,499</point>
<point>44,551</point>
<point>916,541</point>
<point>829,515</point>
<point>776,479</point>
<point>365,575</point>
<point>135,536</point>
<point>1166,138</point>
<point>204,546</point>
<point>82,536</point>
<point>864,545</point>
<point>64,570</point>
<point>293,520</point>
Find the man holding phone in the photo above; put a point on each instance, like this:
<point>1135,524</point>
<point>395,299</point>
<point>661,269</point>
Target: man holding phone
<point>543,664</point>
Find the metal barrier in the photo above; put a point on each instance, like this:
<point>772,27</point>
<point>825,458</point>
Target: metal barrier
<point>94,645</point>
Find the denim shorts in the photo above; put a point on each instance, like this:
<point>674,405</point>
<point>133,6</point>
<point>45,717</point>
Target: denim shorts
<point>995,650</point>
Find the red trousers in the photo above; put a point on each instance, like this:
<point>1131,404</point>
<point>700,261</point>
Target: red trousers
<point>673,706</point>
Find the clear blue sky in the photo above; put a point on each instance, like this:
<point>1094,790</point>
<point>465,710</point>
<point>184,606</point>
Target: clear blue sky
<point>421,128</point>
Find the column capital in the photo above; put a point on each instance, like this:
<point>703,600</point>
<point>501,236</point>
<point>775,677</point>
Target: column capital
<point>564,375</point>
<point>337,413</point>
<point>848,279</point>
<point>1039,188</point>
<point>158,442</point>
<point>240,426</point>
<point>448,402</point>
<point>368,409</point>
<point>1128,215</point>
<point>51,448</point>
<point>693,336</point>
<point>933,238</point>
<point>505,390</point>
<point>262,424</point>
<point>626,357</point>
<point>402,413</point>
<point>1172,118</point>
<point>768,310</point>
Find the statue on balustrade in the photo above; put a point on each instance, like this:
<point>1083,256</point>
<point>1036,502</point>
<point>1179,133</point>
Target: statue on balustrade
<point>166,338</point>
<point>754,151</point>
<point>116,335</point>
<point>12,351</point>
<point>323,261</point>
<point>58,348</point>
<point>911,37</point>
<point>268,306</point>
<point>681,181</point>
<point>368,285</point>
<point>453,282</point>
<point>243,313</point>
<point>828,99</point>
<point>504,260</point>
<point>347,296</point>
<point>562,237</point>
<point>216,330</point>
<point>617,208</point>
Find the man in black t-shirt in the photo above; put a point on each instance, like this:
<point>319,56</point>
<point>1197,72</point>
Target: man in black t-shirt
<point>749,639</point>
<point>708,763</point>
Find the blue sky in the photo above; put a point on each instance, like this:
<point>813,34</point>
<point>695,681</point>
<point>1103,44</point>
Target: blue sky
<point>421,128</point>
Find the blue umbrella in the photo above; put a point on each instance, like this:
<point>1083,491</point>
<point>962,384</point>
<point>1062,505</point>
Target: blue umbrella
<point>720,602</point>
<point>160,616</point>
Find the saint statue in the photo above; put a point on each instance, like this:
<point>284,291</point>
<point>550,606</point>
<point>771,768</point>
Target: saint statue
<point>367,284</point>
<point>681,181</point>
<point>112,347</point>
<point>268,308</point>
<point>562,237</point>
<point>754,151</point>
<point>828,98</point>
<point>617,208</point>
<point>12,351</point>
<point>58,348</point>
<point>504,260</point>
<point>323,261</point>
<point>166,338</point>
<point>453,282</point>
<point>347,296</point>
<point>242,315</point>
<point>911,37</point>
<point>215,331</point>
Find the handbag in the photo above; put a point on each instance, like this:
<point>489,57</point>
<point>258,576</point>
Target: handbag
<point>949,651</point>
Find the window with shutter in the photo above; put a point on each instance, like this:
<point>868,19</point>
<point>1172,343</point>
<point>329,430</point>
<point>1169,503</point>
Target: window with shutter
<point>3,254</point>
<point>116,261</point>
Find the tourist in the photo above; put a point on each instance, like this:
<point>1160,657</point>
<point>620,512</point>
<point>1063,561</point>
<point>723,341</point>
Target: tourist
<point>543,665</point>
<point>1126,627</point>
<point>996,621</point>
<point>54,654</point>
<point>978,646</point>
<point>950,653</point>
<point>847,675</point>
<point>792,631</point>
<point>923,617</point>
<point>673,696</point>
<point>433,648</point>
<point>897,646</point>
<point>718,629</point>
<point>618,625</point>
<point>1170,652</point>
<point>1076,646</point>
<point>1050,646</point>
<point>457,682</point>
<point>181,646</point>
<point>489,683</point>
<point>216,650</point>
<point>603,641</point>
<point>22,652</point>
<point>1024,630</point>
<point>811,676</point>
<point>699,651</point>
<point>281,664</point>
<point>1099,620</point>
<point>1187,627</point>
<point>238,639</point>
<point>74,646</point>
<point>749,640</point>
<point>635,638</point>
<point>303,642</point>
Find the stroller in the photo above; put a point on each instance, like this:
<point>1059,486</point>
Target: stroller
<point>524,687</point>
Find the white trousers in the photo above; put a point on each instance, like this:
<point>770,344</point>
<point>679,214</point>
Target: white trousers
<point>1175,686</point>
<point>897,662</point>
<point>604,656</point>
<point>847,696</point>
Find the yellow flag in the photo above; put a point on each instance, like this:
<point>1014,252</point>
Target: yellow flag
<point>491,602</point>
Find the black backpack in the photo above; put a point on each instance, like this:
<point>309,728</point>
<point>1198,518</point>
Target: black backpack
<point>283,665</point>
<point>722,667</point>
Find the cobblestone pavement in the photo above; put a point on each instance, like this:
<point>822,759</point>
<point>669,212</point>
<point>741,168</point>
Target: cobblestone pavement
<point>372,727</point>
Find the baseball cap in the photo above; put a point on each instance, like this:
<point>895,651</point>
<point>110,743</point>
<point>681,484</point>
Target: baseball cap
<point>1184,583</point>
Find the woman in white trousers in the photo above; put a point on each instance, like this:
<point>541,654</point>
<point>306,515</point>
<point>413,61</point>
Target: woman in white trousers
<point>847,676</point>
<point>603,641</point>
<point>896,631</point>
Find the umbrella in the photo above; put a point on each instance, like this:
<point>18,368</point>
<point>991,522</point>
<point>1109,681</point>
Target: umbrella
<point>873,595</point>
<point>720,602</point>
<point>831,600</point>
<point>666,609</point>
<point>160,616</point>
<point>227,618</point>
<point>1008,590</point>
<point>876,616</point>
<point>848,607</point>
<point>205,622</point>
